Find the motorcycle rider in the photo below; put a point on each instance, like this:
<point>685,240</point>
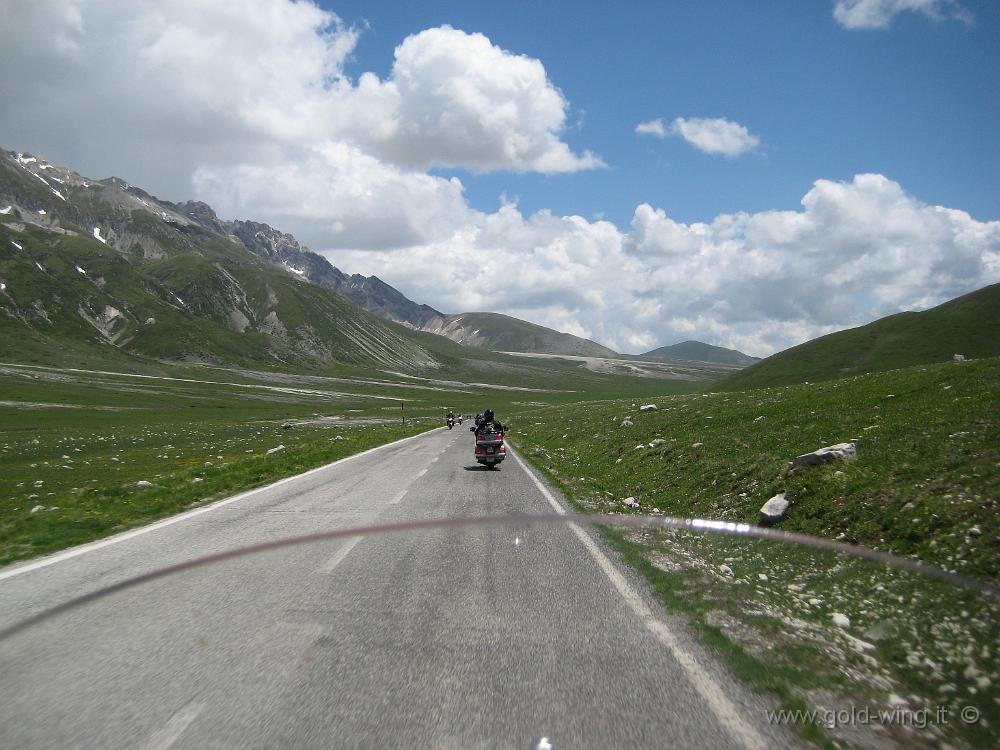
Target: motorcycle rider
<point>487,421</point>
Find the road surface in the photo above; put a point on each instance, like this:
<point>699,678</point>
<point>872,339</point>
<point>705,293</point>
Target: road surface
<point>464,637</point>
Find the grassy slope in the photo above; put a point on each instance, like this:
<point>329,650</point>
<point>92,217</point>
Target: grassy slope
<point>966,325</point>
<point>699,352</point>
<point>504,333</point>
<point>927,474</point>
<point>199,331</point>
<point>194,442</point>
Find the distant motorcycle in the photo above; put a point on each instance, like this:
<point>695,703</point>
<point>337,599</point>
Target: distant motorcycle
<point>451,422</point>
<point>490,450</point>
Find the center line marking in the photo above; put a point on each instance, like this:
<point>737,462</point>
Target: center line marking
<point>173,729</point>
<point>343,552</point>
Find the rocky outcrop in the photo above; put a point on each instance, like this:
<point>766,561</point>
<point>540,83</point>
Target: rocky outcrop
<point>774,510</point>
<point>846,452</point>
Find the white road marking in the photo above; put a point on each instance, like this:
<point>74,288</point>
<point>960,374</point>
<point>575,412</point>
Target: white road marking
<point>82,549</point>
<point>163,738</point>
<point>343,552</point>
<point>421,473</point>
<point>724,710</point>
<point>400,495</point>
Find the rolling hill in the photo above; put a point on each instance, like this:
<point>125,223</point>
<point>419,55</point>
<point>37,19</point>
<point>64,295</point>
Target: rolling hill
<point>696,351</point>
<point>968,325</point>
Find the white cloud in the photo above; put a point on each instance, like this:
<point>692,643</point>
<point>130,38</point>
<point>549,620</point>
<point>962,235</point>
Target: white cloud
<point>157,93</point>
<point>878,14</point>
<point>245,104</point>
<point>653,127</point>
<point>760,282</point>
<point>715,135</point>
<point>455,99</point>
<point>335,195</point>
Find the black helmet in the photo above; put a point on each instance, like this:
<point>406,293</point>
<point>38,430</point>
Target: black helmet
<point>488,415</point>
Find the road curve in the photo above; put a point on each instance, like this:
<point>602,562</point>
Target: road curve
<point>469,637</point>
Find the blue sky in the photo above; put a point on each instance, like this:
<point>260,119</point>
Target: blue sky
<point>918,102</point>
<point>806,166</point>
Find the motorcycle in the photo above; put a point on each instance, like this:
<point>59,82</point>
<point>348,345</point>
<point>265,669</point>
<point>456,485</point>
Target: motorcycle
<point>451,422</point>
<point>490,450</point>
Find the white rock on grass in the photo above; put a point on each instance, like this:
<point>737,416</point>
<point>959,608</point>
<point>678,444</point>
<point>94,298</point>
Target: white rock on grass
<point>975,531</point>
<point>143,484</point>
<point>639,447</point>
<point>647,407</point>
<point>774,510</point>
<point>757,419</point>
<point>725,570</point>
<point>627,423</point>
<point>275,449</point>
<point>630,502</point>
<point>845,452</point>
<point>697,445</point>
<point>841,620</point>
<point>37,508</point>
<point>657,442</point>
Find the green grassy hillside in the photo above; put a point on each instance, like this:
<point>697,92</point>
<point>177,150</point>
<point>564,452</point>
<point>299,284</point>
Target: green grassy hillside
<point>503,333</point>
<point>697,351</point>
<point>925,485</point>
<point>968,325</point>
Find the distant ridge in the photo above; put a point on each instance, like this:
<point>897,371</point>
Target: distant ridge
<point>968,325</point>
<point>506,334</point>
<point>696,351</point>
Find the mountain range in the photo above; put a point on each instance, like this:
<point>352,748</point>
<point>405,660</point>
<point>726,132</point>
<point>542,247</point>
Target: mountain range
<point>100,271</point>
<point>155,235</point>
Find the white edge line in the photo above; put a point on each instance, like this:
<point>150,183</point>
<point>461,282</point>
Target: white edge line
<point>726,712</point>
<point>91,546</point>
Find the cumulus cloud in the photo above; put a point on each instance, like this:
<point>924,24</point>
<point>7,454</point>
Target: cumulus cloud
<point>335,195</point>
<point>758,282</point>
<point>878,14</point>
<point>653,127</point>
<point>157,93</point>
<point>246,104</point>
<point>711,135</point>
<point>715,135</point>
<point>456,99</point>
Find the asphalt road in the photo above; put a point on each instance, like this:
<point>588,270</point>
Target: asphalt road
<point>463,637</point>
